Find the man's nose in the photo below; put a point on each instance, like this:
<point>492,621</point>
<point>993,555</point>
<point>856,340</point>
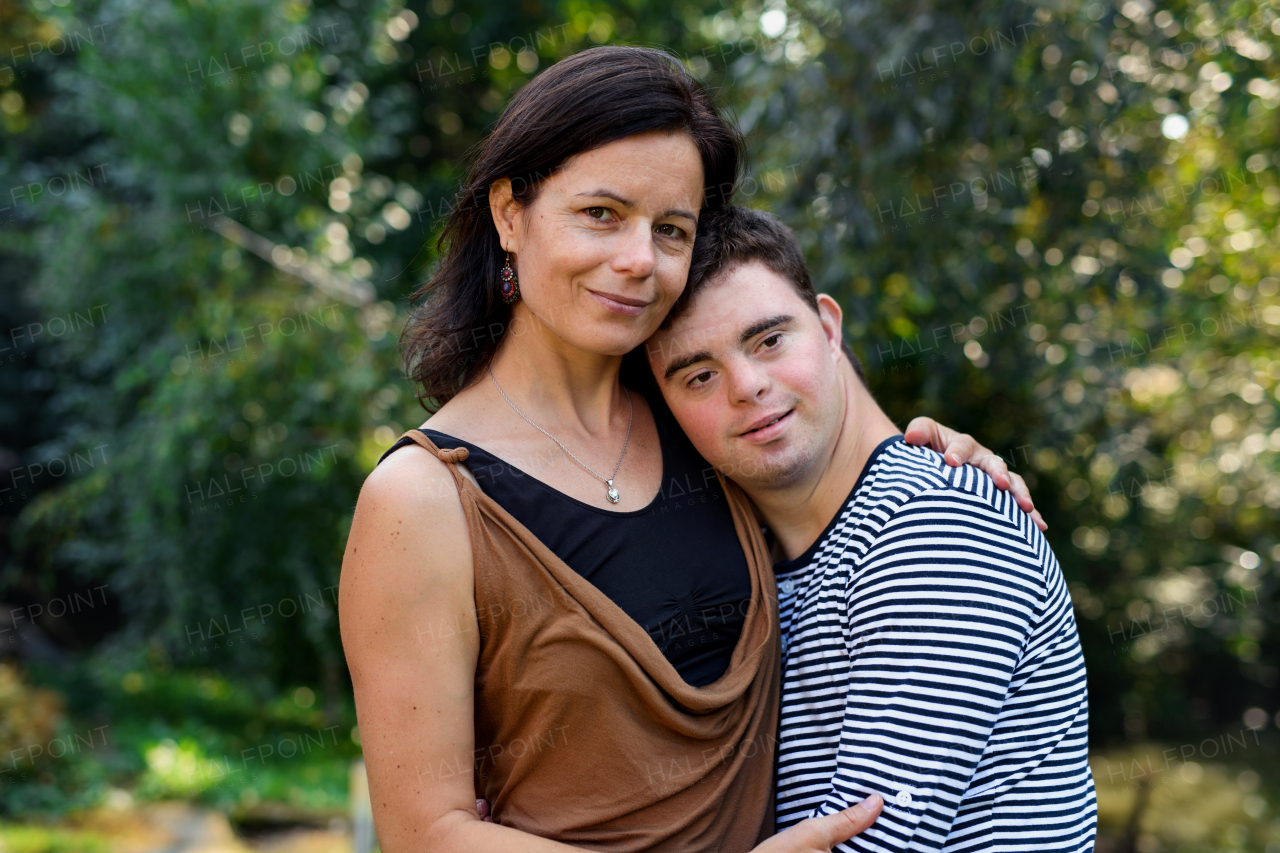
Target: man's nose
<point>747,382</point>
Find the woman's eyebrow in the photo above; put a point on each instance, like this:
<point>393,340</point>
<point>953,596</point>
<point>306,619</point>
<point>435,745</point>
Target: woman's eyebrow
<point>603,193</point>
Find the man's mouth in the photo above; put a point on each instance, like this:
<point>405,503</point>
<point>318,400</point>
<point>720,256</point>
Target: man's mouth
<point>767,424</point>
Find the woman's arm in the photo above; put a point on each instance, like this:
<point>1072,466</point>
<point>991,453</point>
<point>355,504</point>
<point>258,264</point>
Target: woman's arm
<point>409,630</point>
<point>959,448</point>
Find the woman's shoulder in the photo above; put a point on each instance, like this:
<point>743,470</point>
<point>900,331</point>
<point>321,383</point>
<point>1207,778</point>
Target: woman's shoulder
<point>412,478</point>
<point>409,533</point>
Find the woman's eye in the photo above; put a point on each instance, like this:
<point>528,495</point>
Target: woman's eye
<point>597,212</point>
<point>670,230</point>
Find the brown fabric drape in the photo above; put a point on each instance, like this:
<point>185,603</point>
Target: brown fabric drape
<point>585,733</point>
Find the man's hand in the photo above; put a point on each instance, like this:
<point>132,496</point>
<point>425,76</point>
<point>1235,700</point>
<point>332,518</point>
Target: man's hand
<point>815,835</point>
<point>820,834</point>
<point>958,448</point>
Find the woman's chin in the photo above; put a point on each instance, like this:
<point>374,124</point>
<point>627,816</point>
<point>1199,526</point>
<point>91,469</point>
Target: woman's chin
<point>589,325</point>
<point>611,335</point>
<point>613,345</point>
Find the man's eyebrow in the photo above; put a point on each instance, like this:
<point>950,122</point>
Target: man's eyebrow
<point>685,361</point>
<point>603,193</point>
<point>756,328</point>
<point>704,355</point>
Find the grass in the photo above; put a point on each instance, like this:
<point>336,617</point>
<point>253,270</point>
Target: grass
<point>29,838</point>
<point>189,735</point>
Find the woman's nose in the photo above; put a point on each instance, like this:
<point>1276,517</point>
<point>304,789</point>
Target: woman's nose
<point>636,256</point>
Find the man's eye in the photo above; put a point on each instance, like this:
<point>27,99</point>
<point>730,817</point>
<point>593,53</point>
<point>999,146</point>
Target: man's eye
<point>699,379</point>
<point>597,212</point>
<point>772,340</point>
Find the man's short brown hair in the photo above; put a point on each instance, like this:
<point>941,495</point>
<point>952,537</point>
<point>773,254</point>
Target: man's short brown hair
<point>733,236</point>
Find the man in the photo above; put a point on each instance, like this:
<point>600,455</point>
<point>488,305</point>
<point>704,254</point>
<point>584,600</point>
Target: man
<point>930,654</point>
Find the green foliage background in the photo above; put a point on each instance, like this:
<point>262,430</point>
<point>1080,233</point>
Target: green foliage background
<point>1053,226</point>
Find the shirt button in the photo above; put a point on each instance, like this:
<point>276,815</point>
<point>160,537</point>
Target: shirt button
<point>903,799</point>
<point>788,586</point>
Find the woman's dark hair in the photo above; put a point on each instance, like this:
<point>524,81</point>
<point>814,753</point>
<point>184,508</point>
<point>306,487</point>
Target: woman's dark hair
<point>581,103</point>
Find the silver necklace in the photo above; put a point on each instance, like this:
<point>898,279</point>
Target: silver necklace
<point>610,492</point>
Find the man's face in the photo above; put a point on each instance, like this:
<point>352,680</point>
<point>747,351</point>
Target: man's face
<point>751,373</point>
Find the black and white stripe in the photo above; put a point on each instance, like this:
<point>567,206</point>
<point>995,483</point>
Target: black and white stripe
<point>930,655</point>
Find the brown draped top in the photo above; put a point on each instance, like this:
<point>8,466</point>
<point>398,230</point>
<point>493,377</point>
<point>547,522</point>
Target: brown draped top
<point>584,731</point>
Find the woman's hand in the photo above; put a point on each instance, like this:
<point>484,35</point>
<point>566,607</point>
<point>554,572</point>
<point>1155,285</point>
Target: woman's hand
<point>820,834</point>
<point>958,448</point>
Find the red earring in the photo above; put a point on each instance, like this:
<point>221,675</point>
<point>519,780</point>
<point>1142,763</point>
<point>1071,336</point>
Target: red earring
<point>510,284</point>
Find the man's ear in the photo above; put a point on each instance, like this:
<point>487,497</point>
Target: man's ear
<point>503,207</point>
<point>832,319</point>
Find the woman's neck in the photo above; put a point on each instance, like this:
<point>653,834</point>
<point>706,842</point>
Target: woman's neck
<point>552,381</point>
<point>576,397</point>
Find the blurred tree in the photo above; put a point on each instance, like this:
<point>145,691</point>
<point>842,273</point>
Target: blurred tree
<point>1016,204</point>
<point>1056,229</point>
<point>240,196</point>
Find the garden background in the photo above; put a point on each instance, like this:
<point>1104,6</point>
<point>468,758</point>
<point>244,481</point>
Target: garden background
<point>1051,225</point>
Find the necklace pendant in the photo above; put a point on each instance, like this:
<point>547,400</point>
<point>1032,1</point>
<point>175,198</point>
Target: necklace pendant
<point>611,493</point>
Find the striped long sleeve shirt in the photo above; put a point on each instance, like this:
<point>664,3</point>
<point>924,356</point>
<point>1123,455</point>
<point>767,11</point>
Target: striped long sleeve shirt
<point>930,655</point>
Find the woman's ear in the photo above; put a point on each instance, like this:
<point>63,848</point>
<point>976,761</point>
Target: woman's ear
<point>832,319</point>
<point>503,207</point>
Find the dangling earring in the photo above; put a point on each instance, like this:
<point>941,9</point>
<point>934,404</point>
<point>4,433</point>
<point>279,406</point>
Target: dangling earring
<point>510,284</point>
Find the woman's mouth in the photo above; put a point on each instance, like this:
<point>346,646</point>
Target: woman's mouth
<point>627,305</point>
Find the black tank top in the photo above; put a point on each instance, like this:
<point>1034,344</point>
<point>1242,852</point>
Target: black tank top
<point>675,567</point>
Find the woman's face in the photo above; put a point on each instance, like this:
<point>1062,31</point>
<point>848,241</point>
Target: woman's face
<point>605,248</point>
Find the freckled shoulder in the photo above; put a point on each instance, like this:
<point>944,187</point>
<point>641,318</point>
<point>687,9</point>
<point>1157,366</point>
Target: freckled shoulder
<point>409,537</point>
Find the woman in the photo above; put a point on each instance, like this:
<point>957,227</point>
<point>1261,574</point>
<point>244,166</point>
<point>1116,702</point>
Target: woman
<point>548,599</point>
